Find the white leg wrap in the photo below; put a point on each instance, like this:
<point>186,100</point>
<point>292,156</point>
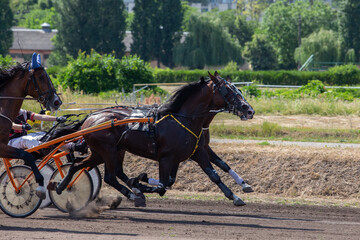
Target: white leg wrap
<point>153,181</point>
<point>236,177</point>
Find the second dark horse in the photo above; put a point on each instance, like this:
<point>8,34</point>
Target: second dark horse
<point>177,134</point>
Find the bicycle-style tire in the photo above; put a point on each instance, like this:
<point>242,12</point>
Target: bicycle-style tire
<point>76,197</point>
<point>46,171</point>
<point>25,202</point>
<point>96,180</point>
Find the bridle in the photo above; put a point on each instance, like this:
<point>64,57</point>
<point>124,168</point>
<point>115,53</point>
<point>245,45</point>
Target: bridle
<point>43,97</point>
<point>230,97</point>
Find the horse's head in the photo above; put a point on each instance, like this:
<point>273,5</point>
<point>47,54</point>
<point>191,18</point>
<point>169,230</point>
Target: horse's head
<point>233,99</point>
<point>40,86</point>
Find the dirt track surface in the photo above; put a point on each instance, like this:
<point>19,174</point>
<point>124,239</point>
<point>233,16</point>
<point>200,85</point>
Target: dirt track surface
<point>190,219</point>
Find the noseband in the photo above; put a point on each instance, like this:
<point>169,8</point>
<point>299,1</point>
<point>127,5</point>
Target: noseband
<point>229,100</point>
<point>43,97</point>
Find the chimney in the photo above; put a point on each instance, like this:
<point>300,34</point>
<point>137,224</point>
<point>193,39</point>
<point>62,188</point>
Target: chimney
<point>46,27</point>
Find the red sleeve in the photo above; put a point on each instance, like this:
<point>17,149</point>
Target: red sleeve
<point>32,117</point>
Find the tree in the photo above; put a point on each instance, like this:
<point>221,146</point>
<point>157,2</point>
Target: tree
<point>208,43</point>
<point>171,19</point>
<point>6,18</point>
<point>89,24</point>
<point>36,17</point>
<point>236,24</point>
<point>260,54</point>
<point>286,23</point>
<point>242,30</point>
<point>350,26</point>
<point>323,44</point>
<point>145,29</point>
<point>156,29</point>
<point>252,8</point>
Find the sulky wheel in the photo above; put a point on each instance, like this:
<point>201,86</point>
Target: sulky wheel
<point>77,196</point>
<point>22,203</point>
<point>96,180</point>
<point>46,171</point>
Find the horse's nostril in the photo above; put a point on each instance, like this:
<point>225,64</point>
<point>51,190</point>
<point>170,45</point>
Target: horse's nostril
<point>57,103</point>
<point>250,113</point>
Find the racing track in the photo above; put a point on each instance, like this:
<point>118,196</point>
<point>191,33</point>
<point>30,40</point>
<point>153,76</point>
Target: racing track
<point>189,219</point>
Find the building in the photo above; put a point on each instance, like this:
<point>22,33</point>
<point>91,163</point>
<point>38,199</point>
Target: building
<point>28,41</point>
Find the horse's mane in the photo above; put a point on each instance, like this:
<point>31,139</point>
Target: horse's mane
<point>175,102</point>
<point>7,74</point>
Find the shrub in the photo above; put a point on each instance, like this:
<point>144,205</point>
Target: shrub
<point>134,70</point>
<point>313,88</point>
<point>6,61</point>
<point>252,91</point>
<point>96,73</point>
<point>344,75</point>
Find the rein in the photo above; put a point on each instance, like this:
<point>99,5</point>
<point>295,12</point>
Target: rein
<point>18,98</point>
<point>182,125</point>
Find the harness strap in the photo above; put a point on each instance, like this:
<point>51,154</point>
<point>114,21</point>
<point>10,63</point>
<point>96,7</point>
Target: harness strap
<point>1,115</point>
<point>182,125</point>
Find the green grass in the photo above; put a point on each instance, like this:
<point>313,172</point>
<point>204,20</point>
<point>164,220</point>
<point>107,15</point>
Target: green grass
<point>308,106</point>
<point>273,131</point>
<point>262,106</point>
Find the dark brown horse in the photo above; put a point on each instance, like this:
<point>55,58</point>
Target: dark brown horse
<point>17,82</point>
<point>177,134</point>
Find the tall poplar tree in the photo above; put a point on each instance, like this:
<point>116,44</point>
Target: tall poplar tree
<point>171,20</point>
<point>146,29</point>
<point>6,19</point>
<point>350,26</point>
<point>90,24</point>
<point>156,29</point>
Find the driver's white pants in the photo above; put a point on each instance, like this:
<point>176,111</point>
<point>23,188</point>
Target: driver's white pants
<point>32,140</point>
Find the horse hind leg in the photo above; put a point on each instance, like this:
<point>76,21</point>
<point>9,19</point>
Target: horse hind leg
<point>137,196</point>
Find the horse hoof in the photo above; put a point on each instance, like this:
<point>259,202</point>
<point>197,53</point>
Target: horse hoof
<point>239,202</point>
<point>247,188</point>
<point>51,186</point>
<point>41,192</point>
<point>58,190</point>
<point>143,177</point>
<point>139,202</point>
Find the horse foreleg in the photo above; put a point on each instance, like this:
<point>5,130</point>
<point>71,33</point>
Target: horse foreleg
<point>201,158</point>
<point>214,158</point>
<point>91,161</point>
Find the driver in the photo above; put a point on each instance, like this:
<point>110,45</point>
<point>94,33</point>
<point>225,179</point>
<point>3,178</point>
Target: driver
<point>20,139</point>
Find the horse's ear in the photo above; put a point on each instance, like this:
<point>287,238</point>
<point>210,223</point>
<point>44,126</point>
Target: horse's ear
<point>202,79</point>
<point>34,63</point>
<point>228,78</point>
<point>216,74</point>
<point>38,60</point>
<point>212,77</point>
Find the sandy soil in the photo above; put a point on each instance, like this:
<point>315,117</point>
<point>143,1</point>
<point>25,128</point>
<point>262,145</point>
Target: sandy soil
<point>189,219</point>
<point>322,176</point>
